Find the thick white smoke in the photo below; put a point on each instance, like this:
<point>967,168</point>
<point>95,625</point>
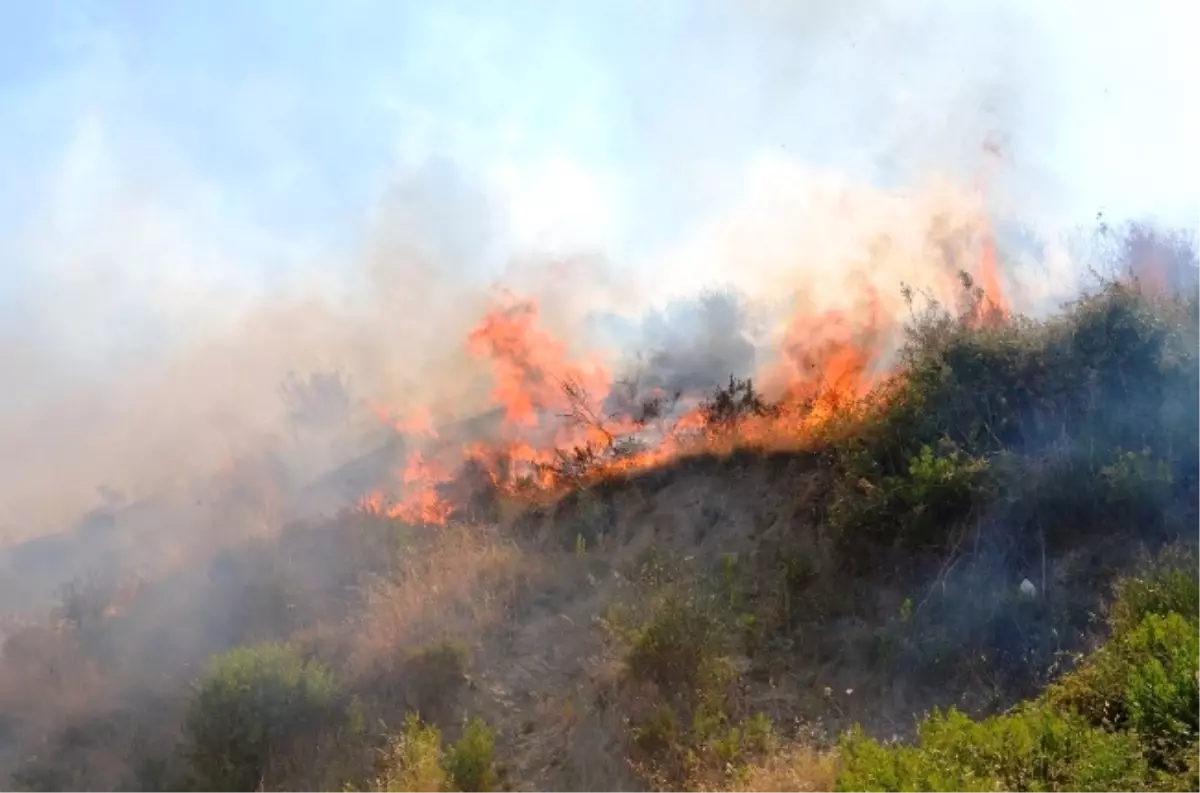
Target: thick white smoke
<point>603,158</point>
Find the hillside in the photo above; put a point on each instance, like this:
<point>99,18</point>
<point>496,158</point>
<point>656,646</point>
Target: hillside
<point>1002,535</point>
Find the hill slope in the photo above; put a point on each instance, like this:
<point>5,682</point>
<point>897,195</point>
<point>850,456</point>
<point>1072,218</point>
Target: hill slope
<point>718,621</point>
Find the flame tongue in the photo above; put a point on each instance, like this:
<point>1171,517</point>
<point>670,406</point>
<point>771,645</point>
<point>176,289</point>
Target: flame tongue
<point>989,274</point>
<point>531,368</point>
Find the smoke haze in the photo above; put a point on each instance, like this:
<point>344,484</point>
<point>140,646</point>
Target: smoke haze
<point>190,216</point>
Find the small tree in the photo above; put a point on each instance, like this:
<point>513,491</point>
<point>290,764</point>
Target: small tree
<point>471,762</point>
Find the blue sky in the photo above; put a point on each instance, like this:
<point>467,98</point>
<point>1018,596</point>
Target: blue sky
<point>192,145</point>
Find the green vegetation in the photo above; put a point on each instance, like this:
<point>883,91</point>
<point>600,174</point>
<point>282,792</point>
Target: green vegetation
<point>416,760</point>
<point>255,703</point>
<point>471,763</point>
<point>1126,719</point>
<point>1031,750</point>
<point>689,726</point>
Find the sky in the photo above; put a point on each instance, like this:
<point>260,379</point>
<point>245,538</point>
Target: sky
<point>167,161</point>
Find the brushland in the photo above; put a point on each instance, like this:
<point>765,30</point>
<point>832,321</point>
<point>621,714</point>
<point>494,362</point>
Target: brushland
<point>981,576</point>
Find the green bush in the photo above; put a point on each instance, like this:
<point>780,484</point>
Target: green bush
<point>1170,585</point>
<point>713,751</point>
<point>1151,657</point>
<point>254,703</point>
<point>1067,398</point>
<point>1144,681</point>
<point>413,760</point>
<point>689,729</point>
<point>1033,749</point>
<point>658,732</point>
<point>731,747</point>
<point>915,511</point>
<point>471,762</point>
<point>1106,368</point>
<point>1126,718</point>
<point>1163,688</point>
<point>682,649</point>
<point>416,760</point>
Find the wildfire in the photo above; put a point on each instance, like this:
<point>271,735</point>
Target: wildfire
<point>423,504</point>
<point>558,426</point>
<point>989,275</point>
<point>531,368</point>
<point>419,422</point>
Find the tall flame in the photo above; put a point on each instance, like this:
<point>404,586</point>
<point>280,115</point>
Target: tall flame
<point>989,273</point>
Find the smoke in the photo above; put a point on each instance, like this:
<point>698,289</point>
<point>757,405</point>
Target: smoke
<point>797,153</point>
<point>149,358</point>
<point>694,344</point>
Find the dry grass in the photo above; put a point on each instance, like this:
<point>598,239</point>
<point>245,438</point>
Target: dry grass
<point>459,580</point>
<point>797,768</point>
<point>537,656</point>
<point>542,673</point>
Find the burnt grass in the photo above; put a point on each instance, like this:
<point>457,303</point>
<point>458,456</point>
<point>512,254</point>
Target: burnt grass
<point>885,558</point>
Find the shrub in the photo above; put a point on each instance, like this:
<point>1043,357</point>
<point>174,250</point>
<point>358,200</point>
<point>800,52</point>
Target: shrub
<point>682,649</point>
<point>471,762</point>
<point>255,702</point>
<point>1126,718</point>
<point>1145,676</point>
<point>730,747</point>
<point>1162,688</point>
<point>688,728</point>
<point>1170,585</point>
<point>917,510</point>
<point>1144,681</point>
<point>1032,749</point>
<point>413,760</point>
<point>416,760</point>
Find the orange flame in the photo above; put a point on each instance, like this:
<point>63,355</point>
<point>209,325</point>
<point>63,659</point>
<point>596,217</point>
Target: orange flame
<point>529,365</point>
<point>418,423</point>
<point>423,504</point>
<point>989,274</point>
<point>995,302</point>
